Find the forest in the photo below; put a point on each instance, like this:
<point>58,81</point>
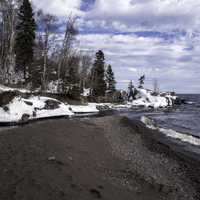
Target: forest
<point>36,56</point>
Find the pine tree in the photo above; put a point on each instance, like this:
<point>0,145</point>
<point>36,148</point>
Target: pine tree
<point>24,42</point>
<point>98,75</point>
<point>110,80</point>
<point>141,81</point>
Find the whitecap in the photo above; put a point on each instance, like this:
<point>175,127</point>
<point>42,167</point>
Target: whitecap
<point>171,133</point>
<point>190,102</point>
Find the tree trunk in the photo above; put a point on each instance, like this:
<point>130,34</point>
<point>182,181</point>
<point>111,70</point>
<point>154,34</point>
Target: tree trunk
<point>44,82</point>
<point>7,56</point>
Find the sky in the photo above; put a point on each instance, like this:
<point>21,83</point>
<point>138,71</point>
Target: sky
<point>158,38</point>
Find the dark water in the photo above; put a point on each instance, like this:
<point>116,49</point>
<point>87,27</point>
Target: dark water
<point>184,118</point>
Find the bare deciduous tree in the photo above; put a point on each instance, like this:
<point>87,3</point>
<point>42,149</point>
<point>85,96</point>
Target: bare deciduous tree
<point>67,43</point>
<point>85,67</point>
<point>47,22</point>
<point>8,13</point>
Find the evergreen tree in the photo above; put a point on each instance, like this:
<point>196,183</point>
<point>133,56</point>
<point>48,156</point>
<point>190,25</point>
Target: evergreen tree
<point>132,92</point>
<point>98,75</point>
<point>24,42</point>
<point>141,81</point>
<point>110,80</point>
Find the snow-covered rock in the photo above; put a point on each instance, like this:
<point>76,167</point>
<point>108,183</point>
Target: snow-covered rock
<point>146,98</point>
<point>17,108</point>
<point>34,107</point>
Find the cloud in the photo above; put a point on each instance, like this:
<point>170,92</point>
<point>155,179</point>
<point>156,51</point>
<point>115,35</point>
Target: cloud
<point>59,7</point>
<point>149,15</point>
<point>133,69</point>
<point>131,57</point>
<point>129,15</point>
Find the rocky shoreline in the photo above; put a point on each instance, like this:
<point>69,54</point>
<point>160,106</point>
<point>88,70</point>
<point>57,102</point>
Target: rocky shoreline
<point>96,158</point>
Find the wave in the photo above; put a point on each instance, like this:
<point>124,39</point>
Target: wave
<point>190,102</point>
<point>171,133</point>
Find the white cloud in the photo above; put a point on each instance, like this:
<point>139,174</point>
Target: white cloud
<point>129,15</point>
<point>133,69</point>
<point>59,7</point>
<point>131,57</point>
<point>149,15</point>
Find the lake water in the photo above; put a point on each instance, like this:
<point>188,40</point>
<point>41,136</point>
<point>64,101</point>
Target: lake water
<point>183,119</point>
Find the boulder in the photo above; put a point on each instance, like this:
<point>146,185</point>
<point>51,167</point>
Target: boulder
<point>51,104</point>
<point>7,97</point>
<point>25,118</point>
<point>179,101</point>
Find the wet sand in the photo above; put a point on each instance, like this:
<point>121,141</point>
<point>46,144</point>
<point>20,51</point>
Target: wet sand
<point>109,158</point>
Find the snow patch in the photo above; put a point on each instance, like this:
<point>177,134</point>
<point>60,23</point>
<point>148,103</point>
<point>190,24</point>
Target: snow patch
<point>86,92</point>
<point>84,109</point>
<point>5,89</point>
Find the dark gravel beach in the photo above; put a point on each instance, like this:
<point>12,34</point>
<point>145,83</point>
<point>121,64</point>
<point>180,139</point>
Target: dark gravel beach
<point>109,158</point>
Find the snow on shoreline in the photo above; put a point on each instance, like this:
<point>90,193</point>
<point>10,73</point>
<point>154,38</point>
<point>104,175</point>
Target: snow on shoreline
<point>34,108</point>
<point>171,133</point>
<point>84,109</point>
<point>37,107</point>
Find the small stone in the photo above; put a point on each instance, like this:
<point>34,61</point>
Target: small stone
<point>100,187</point>
<point>62,193</point>
<point>96,193</point>
<point>5,170</point>
<point>51,158</point>
<point>70,158</point>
